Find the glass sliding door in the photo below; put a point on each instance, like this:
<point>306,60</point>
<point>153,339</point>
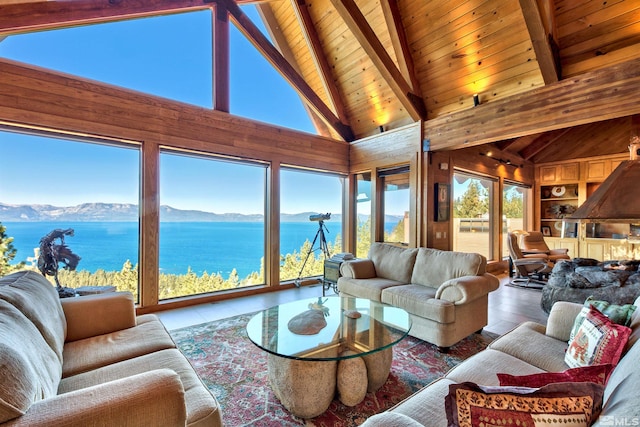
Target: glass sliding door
<point>472,214</point>
<point>514,202</point>
<point>212,229</point>
<point>396,204</point>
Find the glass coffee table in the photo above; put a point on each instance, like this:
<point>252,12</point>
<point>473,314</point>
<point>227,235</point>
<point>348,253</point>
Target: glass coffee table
<point>319,346</point>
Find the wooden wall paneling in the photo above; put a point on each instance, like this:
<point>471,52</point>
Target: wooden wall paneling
<point>596,96</point>
<point>386,149</point>
<point>149,237</point>
<point>438,233</point>
<point>31,96</point>
<point>272,216</point>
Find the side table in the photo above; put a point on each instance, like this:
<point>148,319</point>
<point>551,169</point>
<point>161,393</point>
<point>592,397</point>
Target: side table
<point>331,275</point>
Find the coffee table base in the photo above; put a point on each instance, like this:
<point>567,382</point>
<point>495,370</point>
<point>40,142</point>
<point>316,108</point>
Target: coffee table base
<point>306,388</point>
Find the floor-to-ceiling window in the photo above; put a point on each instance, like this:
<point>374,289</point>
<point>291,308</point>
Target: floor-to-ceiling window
<point>363,214</point>
<point>80,192</point>
<point>310,216</point>
<point>396,202</point>
<point>472,213</point>
<point>212,228</point>
<point>514,212</point>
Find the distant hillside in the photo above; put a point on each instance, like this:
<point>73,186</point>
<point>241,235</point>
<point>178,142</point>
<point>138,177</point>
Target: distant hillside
<point>109,212</point>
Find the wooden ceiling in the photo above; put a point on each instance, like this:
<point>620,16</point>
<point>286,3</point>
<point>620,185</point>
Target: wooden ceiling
<point>366,66</point>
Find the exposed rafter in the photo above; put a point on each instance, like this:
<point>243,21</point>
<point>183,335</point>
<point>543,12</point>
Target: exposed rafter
<point>543,43</point>
<point>266,13</point>
<point>221,59</point>
<point>399,41</point>
<point>369,41</point>
<point>542,142</point>
<point>253,34</point>
<point>301,10</point>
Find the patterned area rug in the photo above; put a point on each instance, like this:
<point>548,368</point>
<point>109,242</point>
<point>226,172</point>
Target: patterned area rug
<point>235,370</point>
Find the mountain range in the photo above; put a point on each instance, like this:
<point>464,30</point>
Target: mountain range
<point>105,212</point>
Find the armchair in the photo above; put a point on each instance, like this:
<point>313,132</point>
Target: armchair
<point>530,271</point>
<point>534,241</point>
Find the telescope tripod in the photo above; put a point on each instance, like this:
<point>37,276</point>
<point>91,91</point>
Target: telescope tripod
<point>323,247</point>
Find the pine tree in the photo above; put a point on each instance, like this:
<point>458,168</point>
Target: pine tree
<point>7,253</point>
<point>473,203</point>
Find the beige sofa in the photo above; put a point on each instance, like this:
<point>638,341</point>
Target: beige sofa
<point>89,361</point>
<point>528,349</point>
<point>445,292</point>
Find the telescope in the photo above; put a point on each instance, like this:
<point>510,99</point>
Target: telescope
<point>320,217</point>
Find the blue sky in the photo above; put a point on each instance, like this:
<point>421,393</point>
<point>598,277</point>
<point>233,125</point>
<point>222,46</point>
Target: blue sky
<point>168,56</point>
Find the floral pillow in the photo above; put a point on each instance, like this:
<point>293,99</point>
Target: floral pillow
<point>560,404</point>
<point>597,340</point>
<point>595,373</point>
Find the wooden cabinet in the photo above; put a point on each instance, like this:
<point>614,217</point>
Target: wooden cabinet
<point>556,202</point>
<point>559,243</point>
<point>557,174</point>
<point>607,249</point>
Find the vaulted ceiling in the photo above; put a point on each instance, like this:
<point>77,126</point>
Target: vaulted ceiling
<point>366,66</point>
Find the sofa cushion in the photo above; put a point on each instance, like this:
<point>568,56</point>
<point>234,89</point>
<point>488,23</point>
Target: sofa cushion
<point>620,314</point>
<point>91,353</point>
<point>38,300</point>
<point>598,340</point>
<point>393,262</point>
<point>366,288</point>
<point>575,404</point>
<point>419,300</point>
<point>30,370</point>
<point>481,368</point>
<point>202,407</point>
<point>529,343</point>
<point>434,267</point>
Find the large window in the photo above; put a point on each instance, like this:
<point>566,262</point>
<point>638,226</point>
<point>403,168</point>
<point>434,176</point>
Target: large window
<point>363,214</point>
<point>91,187</point>
<point>306,197</point>
<point>396,202</point>
<point>514,203</point>
<point>212,229</point>
<point>472,214</point>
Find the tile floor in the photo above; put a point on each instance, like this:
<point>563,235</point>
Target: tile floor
<point>508,307</point>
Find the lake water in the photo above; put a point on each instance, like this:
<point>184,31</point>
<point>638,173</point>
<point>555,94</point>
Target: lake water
<point>215,247</point>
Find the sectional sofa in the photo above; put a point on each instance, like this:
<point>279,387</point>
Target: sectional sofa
<point>445,292</point>
<point>531,349</point>
<point>89,361</point>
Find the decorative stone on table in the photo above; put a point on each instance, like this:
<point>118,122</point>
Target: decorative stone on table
<point>309,322</point>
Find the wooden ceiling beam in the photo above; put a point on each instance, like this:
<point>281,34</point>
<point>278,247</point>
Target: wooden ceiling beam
<point>400,44</point>
<point>543,43</point>
<point>272,26</point>
<point>255,36</point>
<point>24,17</point>
<point>596,96</point>
<point>301,9</point>
<point>369,41</point>
<point>220,57</point>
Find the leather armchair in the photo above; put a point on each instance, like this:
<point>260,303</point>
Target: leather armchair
<point>534,241</point>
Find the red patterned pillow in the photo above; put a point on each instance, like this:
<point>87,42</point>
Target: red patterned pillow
<point>597,341</point>
<point>595,374</point>
<point>560,404</point>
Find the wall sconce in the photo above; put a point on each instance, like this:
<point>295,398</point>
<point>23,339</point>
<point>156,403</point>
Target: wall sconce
<point>501,160</point>
<point>381,128</point>
<point>476,100</point>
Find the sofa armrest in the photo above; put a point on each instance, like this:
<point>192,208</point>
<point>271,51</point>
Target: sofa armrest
<point>561,319</point>
<point>94,315</point>
<point>358,269</point>
<point>154,398</point>
<point>467,288</point>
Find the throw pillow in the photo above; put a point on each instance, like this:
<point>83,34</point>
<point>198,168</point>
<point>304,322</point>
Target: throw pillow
<point>620,314</point>
<point>597,341</point>
<point>596,374</point>
<point>560,404</point>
